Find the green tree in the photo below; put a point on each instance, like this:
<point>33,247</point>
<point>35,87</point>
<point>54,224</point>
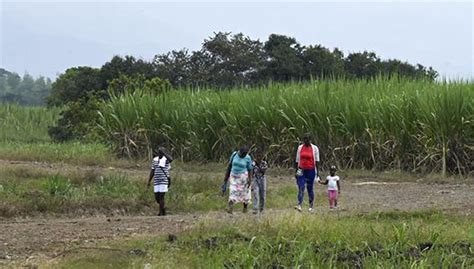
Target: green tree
<point>79,90</point>
<point>284,59</point>
<point>403,69</point>
<point>14,80</point>
<point>128,66</point>
<point>79,117</point>
<point>175,66</point>
<point>76,121</point>
<point>235,59</point>
<point>320,62</point>
<point>362,65</point>
<point>125,84</point>
<point>224,60</point>
<point>76,84</point>
<point>23,90</point>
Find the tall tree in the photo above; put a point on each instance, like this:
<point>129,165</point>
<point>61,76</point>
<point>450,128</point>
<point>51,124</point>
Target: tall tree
<point>320,62</point>
<point>284,58</point>
<point>75,84</point>
<point>362,65</point>
<point>128,66</point>
<point>236,59</point>
<point>174,66</point>
<point>23,90</point>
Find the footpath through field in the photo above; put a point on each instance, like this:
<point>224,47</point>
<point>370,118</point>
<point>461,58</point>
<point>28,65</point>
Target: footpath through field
<point>38,238</point>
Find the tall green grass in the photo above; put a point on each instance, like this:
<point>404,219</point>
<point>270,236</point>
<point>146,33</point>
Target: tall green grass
<point>73,153</point>
<point>380,124</point>
<point>30,191</point>
<point>24,136</point>
<point>26,124</point>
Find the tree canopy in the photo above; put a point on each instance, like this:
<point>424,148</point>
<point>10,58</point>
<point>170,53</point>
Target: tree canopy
<point>226,60</point>
<point>24,90</point>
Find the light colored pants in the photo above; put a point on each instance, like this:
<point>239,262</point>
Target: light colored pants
<point>332,198</point>
<point>259,188</point>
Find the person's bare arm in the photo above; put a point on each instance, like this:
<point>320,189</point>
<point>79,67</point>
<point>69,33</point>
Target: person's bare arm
<point>227,172</point>
<point>226,178</point>
<point>297,160</point>
<point>150,177</point>
<point>250,177</point>
<point>338,187</point>
<point>250,172</point>
<point>318,178</point>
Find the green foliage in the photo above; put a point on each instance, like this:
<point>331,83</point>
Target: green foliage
<point>23,90</point>
<point>86,192</point>
<point>71,194</point>
<point>285,58</point>
<point>58,186</point>
<point>76,121</point>
<point>125,84</point>
<point>77,84</point>
<point>81,90</point>
<point>368,64</point>
<point>293,240</point>
<point>71,152</point>
<point>227,60</point>
<point>126,66</point>
<point>320,62</point>
<point>26,124</point>
<point>381,123</point>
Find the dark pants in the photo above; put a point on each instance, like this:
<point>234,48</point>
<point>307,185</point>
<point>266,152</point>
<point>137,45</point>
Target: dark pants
<point>306,179</point>
<point>160,199</point>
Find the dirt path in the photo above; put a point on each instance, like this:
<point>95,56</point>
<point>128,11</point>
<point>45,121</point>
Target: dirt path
<point>29,239</point>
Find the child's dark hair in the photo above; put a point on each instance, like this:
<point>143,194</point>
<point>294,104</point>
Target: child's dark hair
<point>157,150</point>
<point>333,168</point>
<point>260,151</point>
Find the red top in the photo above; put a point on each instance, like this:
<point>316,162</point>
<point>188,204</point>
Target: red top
<point>307,158</point>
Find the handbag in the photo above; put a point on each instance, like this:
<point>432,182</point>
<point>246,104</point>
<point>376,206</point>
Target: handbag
<point>299,172</point>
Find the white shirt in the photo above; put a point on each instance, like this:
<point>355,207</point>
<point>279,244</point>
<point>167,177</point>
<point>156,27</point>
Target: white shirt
<point>332,182</point>
<point>160,178</point>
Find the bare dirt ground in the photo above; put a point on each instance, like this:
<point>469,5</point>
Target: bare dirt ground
<point>26,240</point>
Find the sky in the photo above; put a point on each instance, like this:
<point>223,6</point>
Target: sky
<point>46,38</point>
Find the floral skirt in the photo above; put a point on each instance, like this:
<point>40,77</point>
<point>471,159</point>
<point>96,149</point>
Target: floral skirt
<point>239,191</point>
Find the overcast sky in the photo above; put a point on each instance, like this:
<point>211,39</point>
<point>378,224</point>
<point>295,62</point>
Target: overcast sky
<point>46,38</point>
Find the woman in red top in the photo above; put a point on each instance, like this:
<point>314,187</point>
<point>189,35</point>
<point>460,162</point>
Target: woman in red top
<point>306,164</point>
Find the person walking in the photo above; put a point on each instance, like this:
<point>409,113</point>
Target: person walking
<point>238,176</point>
<point>161,178</point>
<point>306,165</point>
<point>334,187</point>
<point>259,184</point>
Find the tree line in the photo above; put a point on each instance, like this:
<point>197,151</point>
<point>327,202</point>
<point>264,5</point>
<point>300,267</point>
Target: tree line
<point>228,60</point>
<point>24,90</point>
<point>225,60</point>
